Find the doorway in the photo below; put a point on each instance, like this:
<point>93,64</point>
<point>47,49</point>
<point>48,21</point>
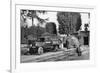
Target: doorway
<point>86,40</point>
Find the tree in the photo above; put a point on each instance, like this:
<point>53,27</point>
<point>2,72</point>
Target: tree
<point>69,22</point>
<point>34,30</point>
<point>24,33</point>
<point>33,14</point>
<point>51,28</point>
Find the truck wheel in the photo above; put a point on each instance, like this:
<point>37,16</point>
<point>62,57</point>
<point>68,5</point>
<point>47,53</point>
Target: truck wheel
<point>31,51</point>
<point>40,50</point>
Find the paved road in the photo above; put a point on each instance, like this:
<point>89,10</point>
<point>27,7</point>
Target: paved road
<point>67,55</point>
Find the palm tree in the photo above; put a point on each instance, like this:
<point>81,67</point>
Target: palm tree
<point>33,14</point>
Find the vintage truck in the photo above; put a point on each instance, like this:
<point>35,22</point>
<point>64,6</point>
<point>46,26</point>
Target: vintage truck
<point>44,45</point>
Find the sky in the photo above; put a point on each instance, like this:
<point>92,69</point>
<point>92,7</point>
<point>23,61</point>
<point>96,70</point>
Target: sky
<point>52,16</point>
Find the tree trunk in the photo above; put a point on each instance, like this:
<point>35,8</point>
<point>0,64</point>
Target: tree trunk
<point>32,21</point>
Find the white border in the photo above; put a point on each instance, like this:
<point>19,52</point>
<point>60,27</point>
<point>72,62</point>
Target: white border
<point>15,44</point>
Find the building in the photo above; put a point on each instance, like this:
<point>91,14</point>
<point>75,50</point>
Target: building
<point>84,37</point>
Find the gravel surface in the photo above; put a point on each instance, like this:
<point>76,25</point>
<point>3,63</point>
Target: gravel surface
<point>66,55</point>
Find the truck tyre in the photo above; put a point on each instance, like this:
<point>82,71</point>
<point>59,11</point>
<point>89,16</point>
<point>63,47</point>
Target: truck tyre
<point>40,50</point>
<point>79,54</point>
<point>31,50</point>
